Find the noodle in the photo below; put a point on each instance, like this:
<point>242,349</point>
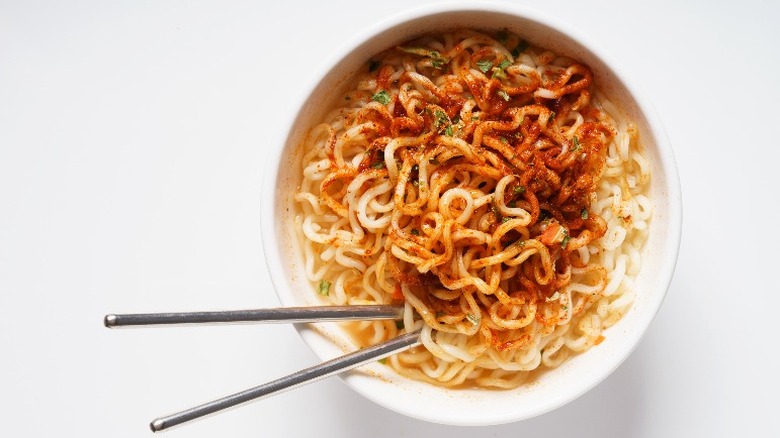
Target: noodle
<point>487,186</point>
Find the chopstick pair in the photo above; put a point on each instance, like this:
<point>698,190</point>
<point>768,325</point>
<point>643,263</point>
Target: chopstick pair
<point>278,315</point>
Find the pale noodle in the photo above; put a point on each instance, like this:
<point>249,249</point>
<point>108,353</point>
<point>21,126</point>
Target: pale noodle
<point>490,188</point>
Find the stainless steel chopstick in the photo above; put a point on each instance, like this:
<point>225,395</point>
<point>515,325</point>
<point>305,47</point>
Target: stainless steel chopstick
<point>276,315</point>
<point>300,378</point>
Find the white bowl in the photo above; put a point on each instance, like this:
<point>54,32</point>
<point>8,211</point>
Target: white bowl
<point>580,373</point>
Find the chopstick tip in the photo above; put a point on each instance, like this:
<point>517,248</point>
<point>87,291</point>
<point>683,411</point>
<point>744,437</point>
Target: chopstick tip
<point>157,425</point>
<point>109,321</point>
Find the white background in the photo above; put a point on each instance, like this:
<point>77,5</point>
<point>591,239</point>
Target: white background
<point>132,145</point>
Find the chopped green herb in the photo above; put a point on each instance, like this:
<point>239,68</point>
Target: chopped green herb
<point>440,119</point>
<point>519,190</point>
<point>498,71</point>
<point>474,117</point>
<point>503,95</point>
<point>379,165</point>
<point>324,288</point>
<point>505,219</point>
<point>584,213</point>
<point>416,232</point>
<point>576,142</point>
<point>520,48</point>
<point>383,360</point>
<point>496,212</point>
<point>484,65</point>
<point>374,65</point>
<point>399,324</point>
<point>437,59</point>
<point>472,319</point>
<point>503,140</point>
<point>566,238</point>
<point>381,97</point>
<point>438,63</point>
<point>552,116</point>
<point>456,119</point>
<point>565,308</point>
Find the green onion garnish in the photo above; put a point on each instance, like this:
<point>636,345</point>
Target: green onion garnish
<point>324,288</point>
<point>381,97</point>
<point>484,66</point>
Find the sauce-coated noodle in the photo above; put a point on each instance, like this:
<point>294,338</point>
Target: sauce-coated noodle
<point>485,184</point>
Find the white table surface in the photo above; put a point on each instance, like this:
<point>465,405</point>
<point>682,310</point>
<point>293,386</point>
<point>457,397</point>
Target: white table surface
<point>132,147</point>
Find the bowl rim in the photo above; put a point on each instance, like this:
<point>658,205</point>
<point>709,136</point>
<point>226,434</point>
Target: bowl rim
<point>670,241</point>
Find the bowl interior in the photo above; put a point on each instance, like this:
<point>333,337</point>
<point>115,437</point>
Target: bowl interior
<point>552,389</point>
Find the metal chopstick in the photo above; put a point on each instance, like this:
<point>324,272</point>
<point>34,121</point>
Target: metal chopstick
<point>277,315</point>
<point>300,378</point>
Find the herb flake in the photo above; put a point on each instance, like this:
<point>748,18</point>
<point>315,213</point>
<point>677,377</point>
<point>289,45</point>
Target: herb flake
<point>472,319</point>
<point>437,59</point>
<point>440,118</point>
<point>484,66</point>
<point>498,71</point>
<point>576,142</point>
<point>566,238</point>
<point>324,288</point>
<point>584,213</point>
<point>381,97</point>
